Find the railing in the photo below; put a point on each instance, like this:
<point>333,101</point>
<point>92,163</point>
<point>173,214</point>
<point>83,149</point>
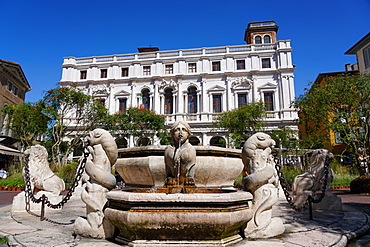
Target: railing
<point>177,53</point>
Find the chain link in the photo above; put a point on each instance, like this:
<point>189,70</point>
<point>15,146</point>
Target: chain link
<point>286,187</point>
<point>31,197</point>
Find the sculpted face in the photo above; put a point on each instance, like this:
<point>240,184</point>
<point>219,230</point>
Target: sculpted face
<point>180,132</point>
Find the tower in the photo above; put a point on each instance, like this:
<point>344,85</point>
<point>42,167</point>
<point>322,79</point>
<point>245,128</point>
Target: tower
<point>261,32</point>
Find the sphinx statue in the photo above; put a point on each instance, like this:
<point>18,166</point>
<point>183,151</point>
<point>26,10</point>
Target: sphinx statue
<point>313,179</point>
<point>260,178</point>
<point>180,156</point>
<point>99,180</point>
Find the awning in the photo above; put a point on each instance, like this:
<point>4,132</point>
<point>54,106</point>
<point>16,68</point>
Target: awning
<point>9,151</point>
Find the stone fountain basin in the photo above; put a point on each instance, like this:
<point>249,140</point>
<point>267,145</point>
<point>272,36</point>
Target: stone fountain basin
<point>145,167</point>
<point>147,215</point>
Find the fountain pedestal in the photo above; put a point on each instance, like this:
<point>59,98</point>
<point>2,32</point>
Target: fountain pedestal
<point>147,218</point>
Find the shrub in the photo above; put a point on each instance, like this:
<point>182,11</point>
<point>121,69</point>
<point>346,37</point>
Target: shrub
<point>15,180</point>
<point>361,184</point>
<point>67,171</point>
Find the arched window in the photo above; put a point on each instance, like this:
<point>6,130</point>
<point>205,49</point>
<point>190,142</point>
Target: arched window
<point>168,101</point>
<point>192,98</point>
<point>193,140</point>
<point>145,99</point>
<point>258,40</point>
<point>143,141</point>
<point>121,142</point>
<point>267,39</point>
<point>218,141</point>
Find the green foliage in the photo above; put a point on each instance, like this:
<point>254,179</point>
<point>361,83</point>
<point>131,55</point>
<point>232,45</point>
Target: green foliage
<point>71,113</point>
<point>67,171</point>
<point>26,121</point>
<point>242,122</point>
<point>285,138</point>
<point>137,122</point>
<point>339,105</point>
<point>14,180</point>
<point>343,175</point>
<point>4,240</point>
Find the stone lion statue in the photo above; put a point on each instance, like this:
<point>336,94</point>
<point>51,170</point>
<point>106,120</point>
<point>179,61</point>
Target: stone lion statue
<point>260,178</point>
<point>41,176</point>
<point>103,154</point>
<point>312,180</point>
<point>180,156</point>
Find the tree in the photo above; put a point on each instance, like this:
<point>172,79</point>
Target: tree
<point>339,106</point>
<point>26,121</point>
<point>72,114</point>
<point>137,122</point>
<point>242,122</point>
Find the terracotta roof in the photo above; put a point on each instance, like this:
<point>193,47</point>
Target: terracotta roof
<point>6,61</point>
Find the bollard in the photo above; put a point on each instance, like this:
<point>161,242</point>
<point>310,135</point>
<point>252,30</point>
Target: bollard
<point>310,207</point>
<point>42,207</point>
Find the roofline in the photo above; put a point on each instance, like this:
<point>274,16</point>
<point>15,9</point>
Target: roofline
<point>323,75</point>
<point>357,46</point>
<point>22,73</point>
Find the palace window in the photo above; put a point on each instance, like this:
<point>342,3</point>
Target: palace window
<point>83,74</point>
<point>103,73</point>
<point>10,86</point>
<point>146,70</point>
<point>15,90</point>
<point>267,39</point>
<point>240,64</point>
<point>269,101</point>
<point>192,67</point>
<point>266,63</point>
<point>242,99</point>
<point>168,101</point>
<point>258,40</point>
<point>124,72</point>
<point>145,99</point>
<point>169,69</point>
<point>193,101</point>
<point>216,66</point>
<point>217,98</point>
<point>122,105</point>
<point>367,56</point>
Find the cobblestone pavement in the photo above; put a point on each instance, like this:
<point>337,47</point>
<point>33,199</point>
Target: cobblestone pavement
<point>334,228</point>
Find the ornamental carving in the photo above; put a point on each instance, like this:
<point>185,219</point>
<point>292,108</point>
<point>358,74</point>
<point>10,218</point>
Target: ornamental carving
<point>164,83</point>
<point>100,90</point>
<point>240,82</point>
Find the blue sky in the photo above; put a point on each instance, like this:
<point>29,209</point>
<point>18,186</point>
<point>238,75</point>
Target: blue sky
<point>38,34</point>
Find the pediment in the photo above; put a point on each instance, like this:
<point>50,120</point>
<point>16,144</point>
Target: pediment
<point>216,88</point>
<point>269,85</point>
<point>122,93</point>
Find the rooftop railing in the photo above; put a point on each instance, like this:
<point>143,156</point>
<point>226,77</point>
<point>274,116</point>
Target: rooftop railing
<point>179,53</point>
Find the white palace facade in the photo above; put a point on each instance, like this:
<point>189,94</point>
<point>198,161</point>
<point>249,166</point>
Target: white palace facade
<point>195,84</point>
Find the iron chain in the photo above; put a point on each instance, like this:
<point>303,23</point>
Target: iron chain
<point>31,197</point>
<point>286,187</point>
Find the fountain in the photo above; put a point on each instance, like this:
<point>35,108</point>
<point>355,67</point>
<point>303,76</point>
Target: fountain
<point>186,198</point>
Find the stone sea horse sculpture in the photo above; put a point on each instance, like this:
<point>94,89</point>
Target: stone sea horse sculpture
<point>313,180</point>
<point>103,154</point>
<point>260,178</point>
<point>40,174</point>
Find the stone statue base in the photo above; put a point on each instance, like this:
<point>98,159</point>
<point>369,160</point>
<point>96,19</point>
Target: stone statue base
<point>19,201</point>
<point>275,228</point>
<point>330,202</point>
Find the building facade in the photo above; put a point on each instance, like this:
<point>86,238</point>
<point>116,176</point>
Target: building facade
<point>13,89</point>
<point>195,84</point>
<point>362,51</point>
